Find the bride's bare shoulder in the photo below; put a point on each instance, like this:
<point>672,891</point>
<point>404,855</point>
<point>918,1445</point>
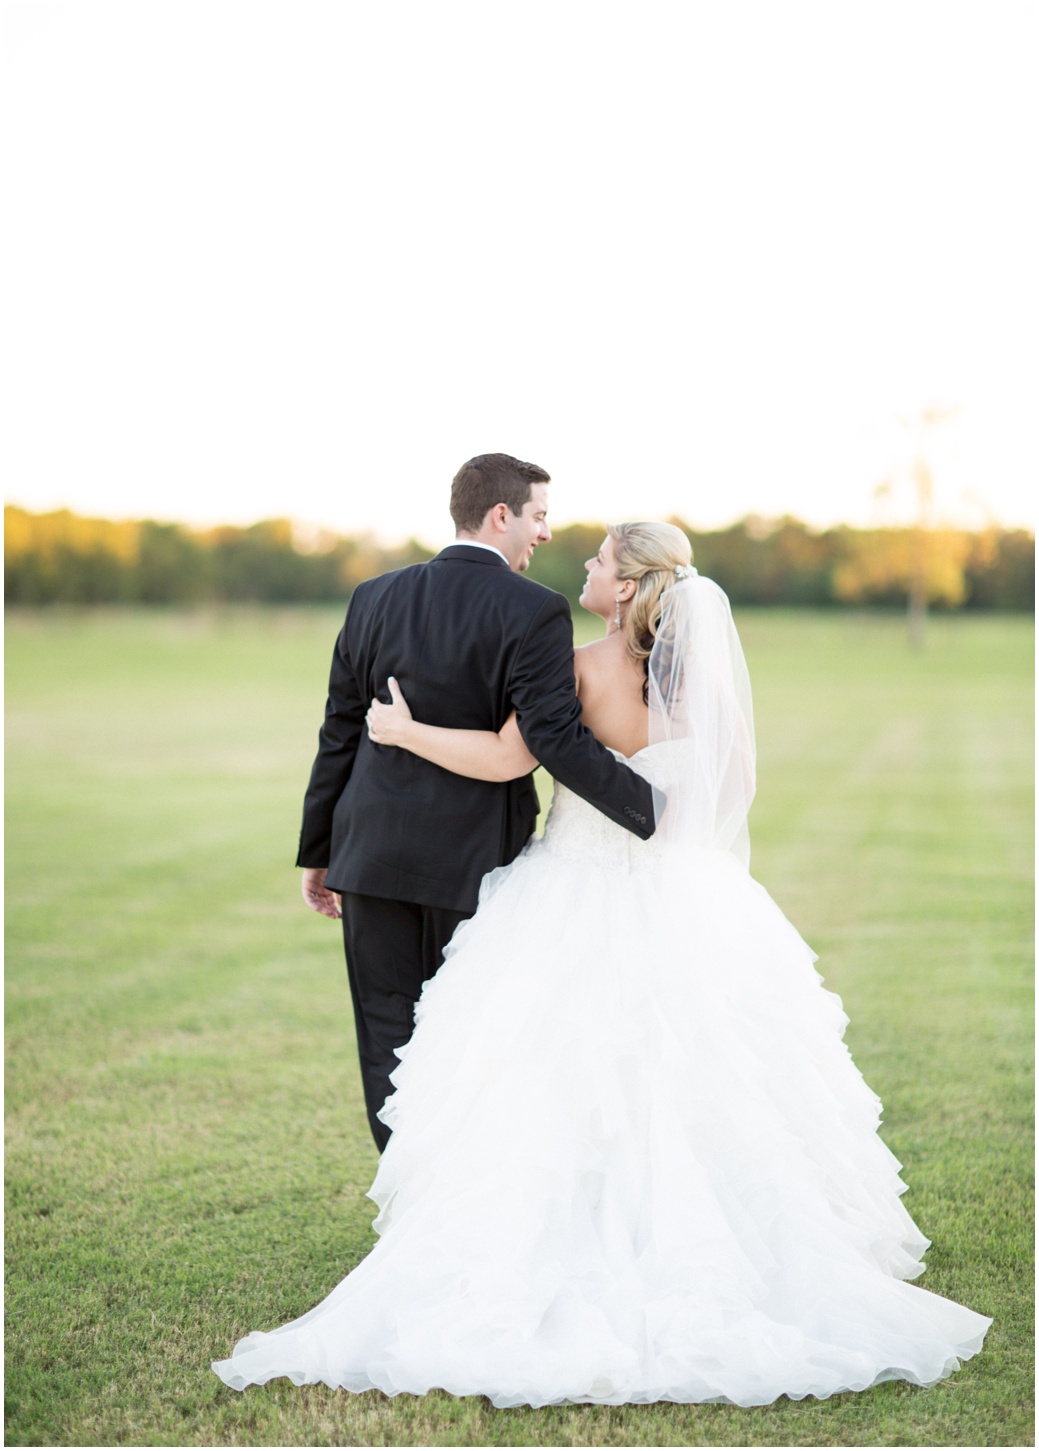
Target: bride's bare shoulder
<point>599,651</point>
<point>589,659</point>
<point>601,662</point>
<point>609,684</point>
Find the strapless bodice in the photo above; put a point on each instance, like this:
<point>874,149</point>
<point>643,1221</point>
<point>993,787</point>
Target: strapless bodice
<point>578,831</point>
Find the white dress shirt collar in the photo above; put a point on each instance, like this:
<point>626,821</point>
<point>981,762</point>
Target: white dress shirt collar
<point>479,544</point>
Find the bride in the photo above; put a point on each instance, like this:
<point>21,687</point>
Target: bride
<point>631,1158</point>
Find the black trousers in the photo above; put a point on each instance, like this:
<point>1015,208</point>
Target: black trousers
<point>391,949</point>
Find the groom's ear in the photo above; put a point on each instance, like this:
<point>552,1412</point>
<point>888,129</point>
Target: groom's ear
<point>499,517</point>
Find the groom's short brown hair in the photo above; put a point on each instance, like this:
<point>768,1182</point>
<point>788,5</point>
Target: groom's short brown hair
<point>489,479</point>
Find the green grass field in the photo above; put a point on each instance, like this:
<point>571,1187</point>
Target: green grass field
<point>187,1152</point>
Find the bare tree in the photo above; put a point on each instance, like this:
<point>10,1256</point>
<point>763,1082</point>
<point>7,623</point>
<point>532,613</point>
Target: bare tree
<point>920,427</point>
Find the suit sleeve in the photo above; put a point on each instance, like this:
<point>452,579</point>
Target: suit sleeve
<point>338,740</point>
<point>548,712</point>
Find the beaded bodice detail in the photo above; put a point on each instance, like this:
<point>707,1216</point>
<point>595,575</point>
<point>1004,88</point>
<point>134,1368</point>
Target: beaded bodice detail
<point>577,831</point>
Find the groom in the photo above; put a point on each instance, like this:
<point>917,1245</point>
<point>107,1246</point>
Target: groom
<point>405,842</point>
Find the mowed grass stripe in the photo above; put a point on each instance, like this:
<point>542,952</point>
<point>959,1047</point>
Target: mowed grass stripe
<point>187,1151</point>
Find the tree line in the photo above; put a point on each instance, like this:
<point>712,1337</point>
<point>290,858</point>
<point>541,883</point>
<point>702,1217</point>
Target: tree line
<point>64,558</point>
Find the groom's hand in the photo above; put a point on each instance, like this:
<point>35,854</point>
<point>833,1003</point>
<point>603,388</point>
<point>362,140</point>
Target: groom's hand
<point>316,895</point>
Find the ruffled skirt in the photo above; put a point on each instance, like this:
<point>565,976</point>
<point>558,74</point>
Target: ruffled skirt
<point>632,1161</point>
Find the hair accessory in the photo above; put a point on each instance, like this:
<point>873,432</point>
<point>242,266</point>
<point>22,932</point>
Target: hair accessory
<point>685,571</point>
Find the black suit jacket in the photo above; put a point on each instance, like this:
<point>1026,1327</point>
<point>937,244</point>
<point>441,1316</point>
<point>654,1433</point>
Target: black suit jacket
<point>468,640</point>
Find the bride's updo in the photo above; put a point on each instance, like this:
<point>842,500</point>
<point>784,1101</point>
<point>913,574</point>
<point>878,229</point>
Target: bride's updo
<point>648,553</point>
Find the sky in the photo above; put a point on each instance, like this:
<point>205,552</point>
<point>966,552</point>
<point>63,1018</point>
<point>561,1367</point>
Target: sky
<point>302,258</point>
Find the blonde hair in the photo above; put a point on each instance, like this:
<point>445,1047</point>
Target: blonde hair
<point>648,553</point>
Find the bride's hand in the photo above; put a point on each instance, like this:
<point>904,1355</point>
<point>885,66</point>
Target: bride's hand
<point>388,724</point>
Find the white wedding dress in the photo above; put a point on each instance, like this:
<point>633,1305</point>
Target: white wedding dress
<point>631,1161</point>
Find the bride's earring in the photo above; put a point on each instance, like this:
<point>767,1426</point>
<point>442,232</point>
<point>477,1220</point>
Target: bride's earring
<point>618,614</point>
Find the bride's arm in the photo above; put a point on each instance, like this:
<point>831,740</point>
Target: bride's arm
<point>484,755</point>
